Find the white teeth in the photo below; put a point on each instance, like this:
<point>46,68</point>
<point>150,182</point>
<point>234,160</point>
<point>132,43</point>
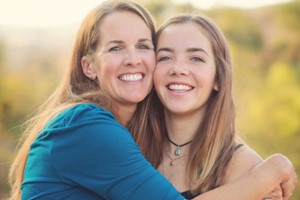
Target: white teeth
<point>131,77</point>
<point>178,87</point>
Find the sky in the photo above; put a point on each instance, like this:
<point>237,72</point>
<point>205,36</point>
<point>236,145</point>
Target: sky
<point>55,13</point>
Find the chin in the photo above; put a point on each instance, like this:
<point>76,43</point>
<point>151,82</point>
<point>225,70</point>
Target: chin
<point>136,99</point>
<point>178,110</point>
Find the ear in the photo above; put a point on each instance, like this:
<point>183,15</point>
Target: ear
<point>88,68</point>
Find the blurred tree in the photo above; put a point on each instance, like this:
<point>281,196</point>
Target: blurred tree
<point>239,28</point>
<point>286,43</point>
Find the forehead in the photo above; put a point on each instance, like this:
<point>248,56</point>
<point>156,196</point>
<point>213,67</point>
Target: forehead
<point>124,24</point>
<point>183,35</point>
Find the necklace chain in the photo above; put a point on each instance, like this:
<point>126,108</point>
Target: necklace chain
<point>177,151</point>
<point>172,163</point>
<point>174,173</point>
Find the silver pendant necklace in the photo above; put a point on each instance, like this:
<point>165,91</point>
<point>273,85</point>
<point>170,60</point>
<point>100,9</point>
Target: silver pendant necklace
<point>177,151</point>
<point>172,162</point>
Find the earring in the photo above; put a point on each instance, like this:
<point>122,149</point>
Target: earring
<point>92,77</point>
<point>216,87</point>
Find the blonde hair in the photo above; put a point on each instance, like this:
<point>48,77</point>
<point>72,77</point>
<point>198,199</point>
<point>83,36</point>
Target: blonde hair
<point>75,88</point>
<point>146,130</point>
<point>213,144</point>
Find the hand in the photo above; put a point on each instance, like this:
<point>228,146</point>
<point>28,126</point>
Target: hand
<point>289,184</point>
<point>290,181</point>
<point>276,194</point>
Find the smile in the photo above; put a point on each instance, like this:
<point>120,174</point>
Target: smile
<point>179,87</point>
<point>131,77</point>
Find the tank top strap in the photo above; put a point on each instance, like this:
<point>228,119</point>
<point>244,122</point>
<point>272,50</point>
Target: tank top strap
<point>238,146</point>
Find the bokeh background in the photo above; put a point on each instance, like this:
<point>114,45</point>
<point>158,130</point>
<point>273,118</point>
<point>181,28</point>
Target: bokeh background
<point>36,37</point>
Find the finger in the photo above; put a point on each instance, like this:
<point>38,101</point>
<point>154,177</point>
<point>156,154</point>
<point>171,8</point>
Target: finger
<point>276,194</point>
<point>286,197</point>
<point>289,185</point>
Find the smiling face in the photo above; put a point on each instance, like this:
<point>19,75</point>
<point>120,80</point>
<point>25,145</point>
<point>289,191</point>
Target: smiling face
<point>124,60</point>
<point>185,72</point>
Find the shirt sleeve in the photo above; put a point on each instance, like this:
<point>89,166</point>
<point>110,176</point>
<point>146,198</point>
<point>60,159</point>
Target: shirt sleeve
<point>95,152</point>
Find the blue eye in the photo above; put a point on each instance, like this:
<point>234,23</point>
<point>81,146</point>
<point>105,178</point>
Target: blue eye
<point>143,46</point>
<point>163,58</point>
<point>116,48</point>
<point>197,59</point>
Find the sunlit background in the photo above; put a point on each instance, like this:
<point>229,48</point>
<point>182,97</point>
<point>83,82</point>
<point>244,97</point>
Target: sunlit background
<point>54,13</point>
<point>36,38</point>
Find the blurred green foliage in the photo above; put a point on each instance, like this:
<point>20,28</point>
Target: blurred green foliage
<point>265,47</point>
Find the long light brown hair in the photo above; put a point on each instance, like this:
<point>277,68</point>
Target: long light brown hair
<point>213,144</point>
<point>75,88</point>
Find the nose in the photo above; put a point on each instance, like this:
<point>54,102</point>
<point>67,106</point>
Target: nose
<point>179,68</point>
<point>132,58</point>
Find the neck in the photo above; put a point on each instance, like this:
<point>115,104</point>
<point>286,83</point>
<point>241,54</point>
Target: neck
<point>182,128</point>
<point>124,113</point>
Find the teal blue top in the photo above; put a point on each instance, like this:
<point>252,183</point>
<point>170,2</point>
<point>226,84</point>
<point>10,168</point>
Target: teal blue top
<point>84,153</point>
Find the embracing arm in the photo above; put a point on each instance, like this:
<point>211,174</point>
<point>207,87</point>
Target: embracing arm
<point>97,154</point>
<point>275,170</point>
<point>244,159</point>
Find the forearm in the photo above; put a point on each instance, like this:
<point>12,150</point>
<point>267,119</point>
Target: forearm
<point>255,184</point>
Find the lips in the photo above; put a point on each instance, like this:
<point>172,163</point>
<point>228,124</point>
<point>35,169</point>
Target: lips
<point>131,77</point>
<point>179,87</point>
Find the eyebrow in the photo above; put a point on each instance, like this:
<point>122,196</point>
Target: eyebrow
<point>121,41</point>
<point>193,49</point>
<point>145,40</point>
<point>164,49</point>
<point>196,49</point>
<point>114,42</point>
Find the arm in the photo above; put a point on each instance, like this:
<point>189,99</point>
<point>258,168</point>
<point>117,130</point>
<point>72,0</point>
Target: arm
<point>276,170</point>
<point>97,154</point>
<point>244,159</point>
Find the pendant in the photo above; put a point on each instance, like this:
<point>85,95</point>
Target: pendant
<point>177,151</point>
<point>172,163</point>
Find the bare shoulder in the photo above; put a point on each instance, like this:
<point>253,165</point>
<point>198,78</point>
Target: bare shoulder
<point>243,160</point>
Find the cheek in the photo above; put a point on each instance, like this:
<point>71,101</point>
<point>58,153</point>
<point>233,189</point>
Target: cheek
<point>206,78</point>
<point>108,66</point>
<point>106,72</point>
<point>150,61</point>
<point>158,77</point>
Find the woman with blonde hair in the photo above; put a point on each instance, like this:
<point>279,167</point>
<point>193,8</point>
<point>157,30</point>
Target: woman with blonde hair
<point>78,145</point>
